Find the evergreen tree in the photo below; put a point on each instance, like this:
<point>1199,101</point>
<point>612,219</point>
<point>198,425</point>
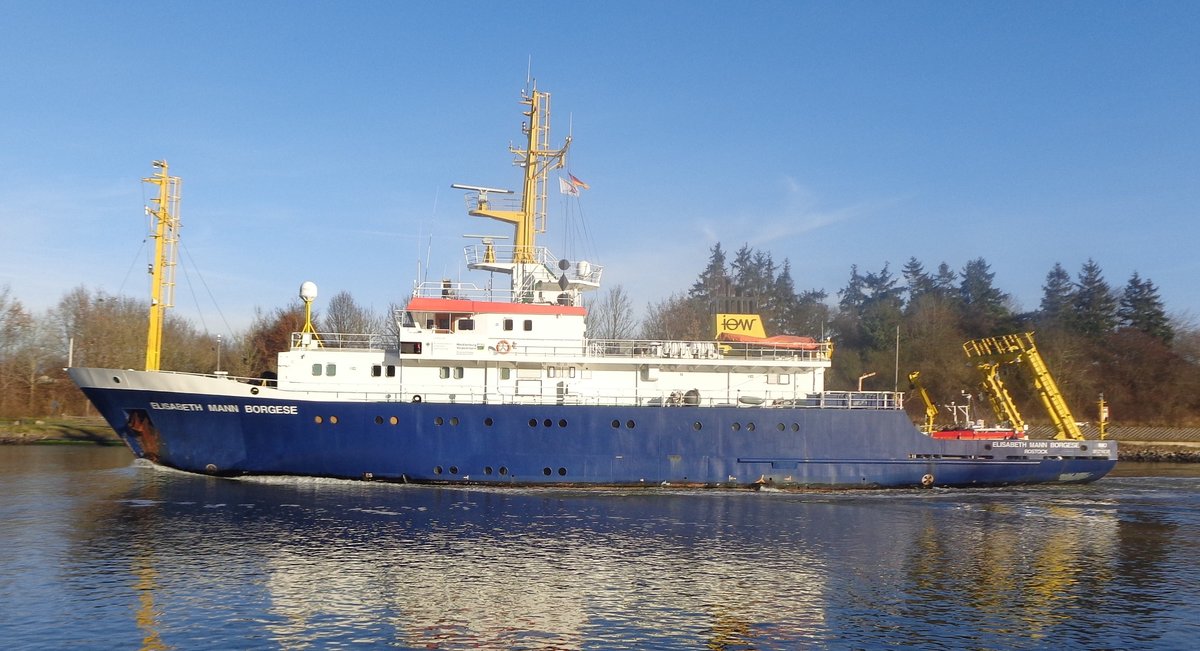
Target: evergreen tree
<point>1093,308</point>
<point>944,281</point>
<point>917,281</point>
<point>784,301</point>
<point>1058,295</point>
<point>1141,309</point>
<point>869,310</point>
<point>984,310</point>
<point>714,281</point>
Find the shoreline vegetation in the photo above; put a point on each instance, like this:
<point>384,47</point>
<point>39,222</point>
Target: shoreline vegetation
<point>1183,446</point>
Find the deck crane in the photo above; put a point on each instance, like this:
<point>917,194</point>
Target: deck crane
<point>989,353</point>
<point>931,409</point>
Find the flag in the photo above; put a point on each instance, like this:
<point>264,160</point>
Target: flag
<point>567,188</point>
<point>577,183</point>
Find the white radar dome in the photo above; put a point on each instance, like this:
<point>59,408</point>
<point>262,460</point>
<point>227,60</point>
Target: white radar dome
<point>308,291</point>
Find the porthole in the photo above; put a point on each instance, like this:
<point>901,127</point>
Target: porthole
<point>379,420</point>
<point>487,470</point>
<point>454,420</point>
<point>562,472</point>
<point>488,421</point>
<point>697,426</point>
<point>437,470</point>
<point>116,379</point>
<point>781,427</point>
<point>333,420</point>
<point>562,422</point>
<point>318,420</point>
<point>630,424</point>
<point>503,470</point>
<point>546,471</point>
<point>253,390</point>
<point>795,427</point>
<point>737,427</point>
<point>548,423</point>
<point>453,470</point>
<point>533,422</point>
<point>749,427</point>
<point>616,424</point>
<point>393,420</point>
<point>438,421</point>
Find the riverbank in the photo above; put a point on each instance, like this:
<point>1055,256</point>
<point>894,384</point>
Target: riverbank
<point>24,431</point>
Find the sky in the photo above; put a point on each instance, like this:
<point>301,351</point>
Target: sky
<point>318,141</point>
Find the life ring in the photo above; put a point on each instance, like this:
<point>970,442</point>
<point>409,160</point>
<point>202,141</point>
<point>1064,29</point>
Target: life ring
<point>503,347</point>
<point>417,398</point>
<point>927,480</point>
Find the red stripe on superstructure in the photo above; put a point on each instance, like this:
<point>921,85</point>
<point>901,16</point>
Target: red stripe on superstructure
<point>461,306</point>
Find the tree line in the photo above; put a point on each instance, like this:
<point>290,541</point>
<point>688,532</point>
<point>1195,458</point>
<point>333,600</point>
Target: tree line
<point>1097,340</point>
<point>93,328</point>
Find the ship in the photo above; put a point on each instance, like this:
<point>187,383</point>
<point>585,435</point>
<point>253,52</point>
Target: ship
<point>480,385</point>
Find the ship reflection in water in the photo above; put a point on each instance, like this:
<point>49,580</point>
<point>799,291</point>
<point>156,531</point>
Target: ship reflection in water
<point>160,559</point>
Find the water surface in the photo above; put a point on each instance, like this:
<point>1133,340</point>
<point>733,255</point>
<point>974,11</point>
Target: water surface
<point>99,552</point>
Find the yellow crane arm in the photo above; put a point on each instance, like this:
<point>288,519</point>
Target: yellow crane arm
<point>931,409</point>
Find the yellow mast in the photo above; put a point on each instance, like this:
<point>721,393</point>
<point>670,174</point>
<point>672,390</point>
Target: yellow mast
<point>536,159</point>
<point>162,269</point>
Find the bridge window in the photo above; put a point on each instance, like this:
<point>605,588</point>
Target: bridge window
<point>410,348</point>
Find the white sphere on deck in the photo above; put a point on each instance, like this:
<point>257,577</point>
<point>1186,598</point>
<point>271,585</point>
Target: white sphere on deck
<point>308,291</point>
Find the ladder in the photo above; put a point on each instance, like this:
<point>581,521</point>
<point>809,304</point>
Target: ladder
<point>990,352</point>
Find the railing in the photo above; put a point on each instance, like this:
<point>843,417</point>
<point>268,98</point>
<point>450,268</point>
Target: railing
<point>577,271</point>
<point>342,340</point>
<point>635,398</point>
<point>667,349</point>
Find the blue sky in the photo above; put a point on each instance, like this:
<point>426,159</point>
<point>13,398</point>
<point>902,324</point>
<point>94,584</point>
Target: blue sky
<point>318,141</point>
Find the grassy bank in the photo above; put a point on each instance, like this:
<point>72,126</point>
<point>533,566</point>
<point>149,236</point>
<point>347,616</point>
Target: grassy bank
<point>92,431</point>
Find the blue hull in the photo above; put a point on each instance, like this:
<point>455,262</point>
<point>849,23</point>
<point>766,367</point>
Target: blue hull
<point>576,445</point>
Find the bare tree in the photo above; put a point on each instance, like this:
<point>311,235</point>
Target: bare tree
<point>344,315</point>
<point>611,316</point>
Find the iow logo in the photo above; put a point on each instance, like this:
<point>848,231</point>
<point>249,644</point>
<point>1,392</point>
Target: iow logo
<point>750,324</point>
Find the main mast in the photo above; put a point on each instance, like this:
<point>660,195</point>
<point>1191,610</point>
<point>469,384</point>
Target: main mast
<point>162,269</point>
<point>536,159</point>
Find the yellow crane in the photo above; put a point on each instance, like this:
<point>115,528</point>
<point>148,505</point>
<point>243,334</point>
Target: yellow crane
<point>989,353</point>
<point>931,409</point>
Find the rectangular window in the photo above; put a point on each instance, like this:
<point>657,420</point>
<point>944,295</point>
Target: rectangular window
<point>551,372</point>
<point>508,324</point>
<point>571,372</point>
<point>391,370</point>
<point>410,348</point>
<point>466,324</point>
<point>505,373</point>
<point>458,372</point>
<point>376,371</point>
<point>444,372</point>
<point>316,370</point>
<point>331,370</point>
<point>528,325</point>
